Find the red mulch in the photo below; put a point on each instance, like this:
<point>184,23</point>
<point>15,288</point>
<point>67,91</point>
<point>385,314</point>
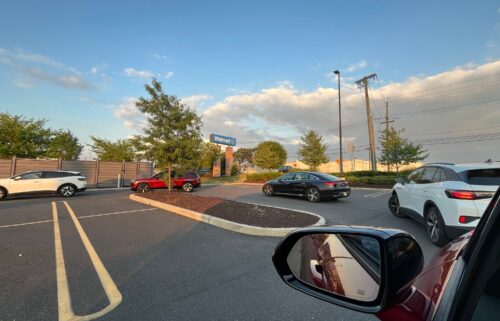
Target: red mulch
<point>250,214</point>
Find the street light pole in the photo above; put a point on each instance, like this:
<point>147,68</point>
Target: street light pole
<point>340,125</point>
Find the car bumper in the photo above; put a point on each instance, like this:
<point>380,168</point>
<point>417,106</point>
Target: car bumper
<point>336,193</point>
<point>455,231</point>
<point>83,189</point>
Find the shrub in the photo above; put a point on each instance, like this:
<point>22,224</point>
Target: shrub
<point>234,170</point>
<point>262,177</point>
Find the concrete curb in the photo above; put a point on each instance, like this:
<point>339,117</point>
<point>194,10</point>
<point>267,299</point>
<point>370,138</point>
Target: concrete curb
<point>225,224</point>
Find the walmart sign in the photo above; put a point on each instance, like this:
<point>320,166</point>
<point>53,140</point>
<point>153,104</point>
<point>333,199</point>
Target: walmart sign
<point>223,140</point>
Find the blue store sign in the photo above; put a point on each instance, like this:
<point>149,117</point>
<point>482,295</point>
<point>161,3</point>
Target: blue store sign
<point>223,140</point>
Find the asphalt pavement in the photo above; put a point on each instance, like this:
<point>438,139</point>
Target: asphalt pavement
<point>103,256</point>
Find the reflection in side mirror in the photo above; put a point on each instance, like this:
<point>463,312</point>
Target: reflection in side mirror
<point>342,264</point>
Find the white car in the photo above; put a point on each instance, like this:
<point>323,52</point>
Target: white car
<point>448,199</point>
<point>64,183</point>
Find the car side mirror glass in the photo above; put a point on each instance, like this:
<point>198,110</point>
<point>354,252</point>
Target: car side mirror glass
<point>341,264</point>
<point>359,268</point>
<point>17,178</point>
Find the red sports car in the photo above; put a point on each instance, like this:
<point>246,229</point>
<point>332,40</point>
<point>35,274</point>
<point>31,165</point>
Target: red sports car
<point>187,182</point>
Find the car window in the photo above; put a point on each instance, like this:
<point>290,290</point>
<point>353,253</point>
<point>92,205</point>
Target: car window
<point>489,301</point>
<point>301,177</point>
<point>330,177</point>
<point>33,175</point>
<point>416,176</point>
<point>55,174</point>
<point>287,177</point>
<point>484,176</point>
<point>312,177</point>
<point>440,176</point>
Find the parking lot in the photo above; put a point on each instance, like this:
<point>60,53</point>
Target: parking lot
<point>101,256</point>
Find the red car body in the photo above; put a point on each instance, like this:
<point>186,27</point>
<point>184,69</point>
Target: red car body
<point>428,287</point>
<point>156,181</point>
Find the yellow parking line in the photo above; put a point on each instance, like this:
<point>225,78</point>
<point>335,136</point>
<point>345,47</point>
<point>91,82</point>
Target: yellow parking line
<point>63,294</point>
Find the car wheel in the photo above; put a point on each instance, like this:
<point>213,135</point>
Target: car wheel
<point>312,195</point>
<point>394,206</point>
<point>143,188</point>
<point>435,226</point>
<point>67,190</point>
<point>187,187</point>
<point>3,193</point>
<point>268,190</point>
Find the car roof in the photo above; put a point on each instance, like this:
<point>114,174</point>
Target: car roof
<point>461,167</point>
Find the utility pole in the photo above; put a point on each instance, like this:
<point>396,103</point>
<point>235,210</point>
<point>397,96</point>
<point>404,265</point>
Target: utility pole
<point>363,83</point>
<point>340,127</point>
<point>387,122</point>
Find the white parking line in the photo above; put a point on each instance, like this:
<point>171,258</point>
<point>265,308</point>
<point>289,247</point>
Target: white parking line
<point>377,194</point>
<point>80,217</point>
<point>63,295</point>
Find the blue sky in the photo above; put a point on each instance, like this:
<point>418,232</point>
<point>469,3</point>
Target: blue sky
<point>74,62</point>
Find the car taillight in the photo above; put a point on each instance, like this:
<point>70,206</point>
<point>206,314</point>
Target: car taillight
<point>466,219</point>
<point>330,184</point>
<point>82,179</point>
<point>468,195</point>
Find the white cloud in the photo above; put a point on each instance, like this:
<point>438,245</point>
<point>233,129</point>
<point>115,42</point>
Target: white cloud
<point>491,44</point>
<point>43,69</point>
<point>23,84</point>
<point>196,101</point>
<point>132,72</point>
<point>159,57</point>
<point>463,100</point>
<point>357,66</point>
<point>169,74</point>
<point>130,114</point>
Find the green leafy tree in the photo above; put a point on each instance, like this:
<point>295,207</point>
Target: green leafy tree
<point>210,153</point>
<point>173,131</point>
<point>269,155</point>
<point>63,144</point>
<point>23,137</point>
<point>398,151</point>
<point>244,156</point>
<point>312,150</point>
<point>117,151</point>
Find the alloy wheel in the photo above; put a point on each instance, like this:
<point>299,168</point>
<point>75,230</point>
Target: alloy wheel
<point>394,204</point>
<point>187,187</point>
<point>433,225</point>
<point>67,191</point>
<point>143,188</point>
<point>268,190</point>
<point>313,195</point>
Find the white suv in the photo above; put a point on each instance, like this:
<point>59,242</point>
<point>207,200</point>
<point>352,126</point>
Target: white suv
<point>43,182</point>
<point>448,199</point>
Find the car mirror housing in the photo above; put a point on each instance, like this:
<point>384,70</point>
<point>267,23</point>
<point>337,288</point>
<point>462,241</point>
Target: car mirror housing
<point>16,178</point>
<point>359,268</point>
<point>400,180</point>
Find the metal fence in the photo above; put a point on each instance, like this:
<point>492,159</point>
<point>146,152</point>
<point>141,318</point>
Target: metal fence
<point>100,174</point>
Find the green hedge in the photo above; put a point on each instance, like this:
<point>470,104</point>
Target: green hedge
<point>371,180</point>
<point>262,177</point>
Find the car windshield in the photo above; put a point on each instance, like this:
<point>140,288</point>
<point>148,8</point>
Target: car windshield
<point>153,153</point>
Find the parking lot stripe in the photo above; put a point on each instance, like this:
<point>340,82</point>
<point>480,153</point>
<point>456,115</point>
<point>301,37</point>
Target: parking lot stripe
<point>377,194</point>
<point>29,223</point>
<point>63,294</point>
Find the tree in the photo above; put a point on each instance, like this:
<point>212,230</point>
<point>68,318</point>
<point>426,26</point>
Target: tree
<point>63,144</point>
<point>117,151</point>
<point>398,151</point>
<point>244,156</point>
<point>22,137</point>
<point>173,131</point>
<point>312,150</point>
<point>269,155</point>
<point>210,153</point>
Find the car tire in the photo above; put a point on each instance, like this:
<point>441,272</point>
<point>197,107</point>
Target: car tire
<point>3,193</point>
<point>313,195</point>
<point>187,187</point>
<point>268,190</point>
<point>394,206</point>
<point>143,188</point>
<point>67,190</point>
<point>434,225</point>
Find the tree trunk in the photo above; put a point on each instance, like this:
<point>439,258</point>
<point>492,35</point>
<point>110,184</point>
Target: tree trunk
<point>169,176</point>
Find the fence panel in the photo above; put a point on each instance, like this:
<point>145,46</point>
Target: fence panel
<point>108,173</point>
<point>86,168</point>
<point>130,173</point>
<point>145,169</point>
<point>5,168</point>
<point>25,165</point>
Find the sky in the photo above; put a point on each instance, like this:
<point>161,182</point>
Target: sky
<point>258,70</point>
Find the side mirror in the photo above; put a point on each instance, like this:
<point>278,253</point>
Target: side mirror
<point>400,180</point>
<point>359,268</point>
<point>17,178</point>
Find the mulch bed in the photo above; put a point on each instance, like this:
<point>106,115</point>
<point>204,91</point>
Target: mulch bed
<point>250,214</point>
